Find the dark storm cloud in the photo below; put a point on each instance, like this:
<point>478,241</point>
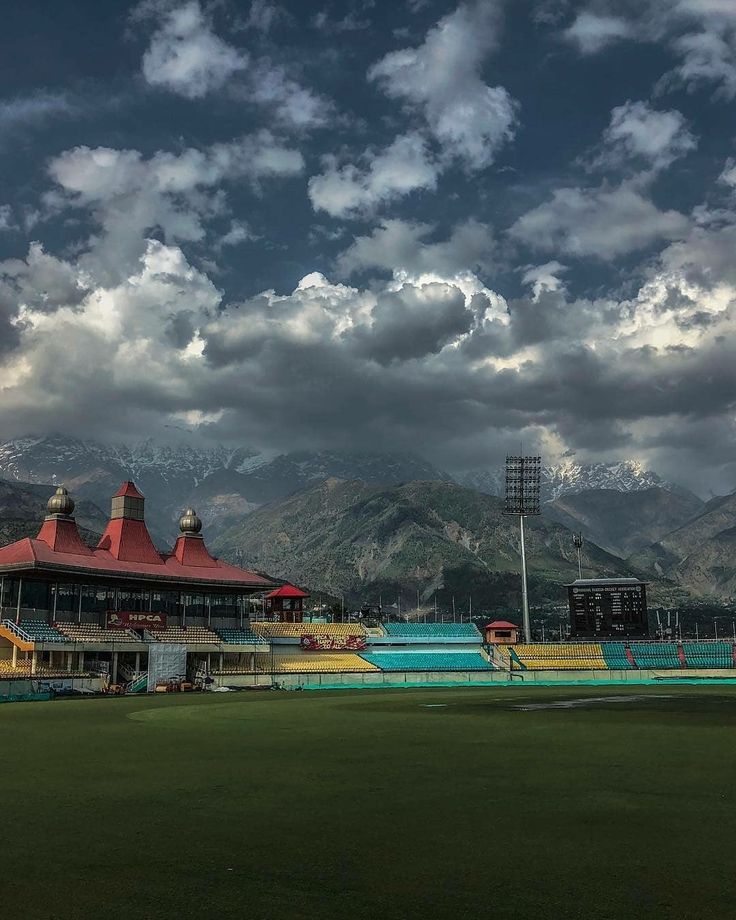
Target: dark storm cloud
<point>181,329</point>
<point>413,322</point>
<point>530,246</point>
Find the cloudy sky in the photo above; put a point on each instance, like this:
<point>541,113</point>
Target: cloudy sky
<point>422,225</point>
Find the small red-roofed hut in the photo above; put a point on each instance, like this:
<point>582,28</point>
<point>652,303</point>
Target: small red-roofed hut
<point>287,603</point>
<point>501,632</point>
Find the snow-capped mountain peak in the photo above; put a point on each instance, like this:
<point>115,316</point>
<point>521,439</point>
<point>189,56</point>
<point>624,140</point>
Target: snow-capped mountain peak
<point>572,477</point>
<point>622,476</point>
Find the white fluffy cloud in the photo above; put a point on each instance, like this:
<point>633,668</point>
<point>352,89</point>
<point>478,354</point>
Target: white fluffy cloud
<point>602,222</point>
<point>442,79</point>
<point>111,345</point>
<point>728,175</point>
<point>187,57</point>
<point>708,57</point>
<point>592,31</point>
<point>701,33</point>
<point>127,195</point>
<point>544,278</point>
<point>403,167</point>
<point>403,250</point>
<point>288,101</point>
<point>641,135</point>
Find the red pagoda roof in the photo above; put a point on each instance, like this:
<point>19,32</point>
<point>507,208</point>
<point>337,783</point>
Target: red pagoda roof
<point>501,624</point>
<point>287,591</point>
<point>62,536</point>
<point>128,490</point>
<point>36,554</point>
<point>125,549</point>
<point>129,541</point>
<point>190,550</point>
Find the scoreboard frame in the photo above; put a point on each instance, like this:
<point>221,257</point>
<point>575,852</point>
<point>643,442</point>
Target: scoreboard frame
<point>608,608</point>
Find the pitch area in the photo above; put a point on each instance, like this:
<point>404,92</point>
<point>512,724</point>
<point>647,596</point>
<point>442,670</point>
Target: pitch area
<point>589,803</point>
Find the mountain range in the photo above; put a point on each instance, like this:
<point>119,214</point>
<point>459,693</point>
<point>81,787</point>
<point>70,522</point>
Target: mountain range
<point>415,540</point>
<point>701,553</point>
<point>624,523</point>
<point>621,509</point>
<point>226,483</point>
<point>570,477</point>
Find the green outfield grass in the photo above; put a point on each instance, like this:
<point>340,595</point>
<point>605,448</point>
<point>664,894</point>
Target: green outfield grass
<point>374,804</point>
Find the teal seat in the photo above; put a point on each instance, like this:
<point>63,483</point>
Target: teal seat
<point>615,656</point>
<point>708,654</point>
<point>41,631</point>
<point>656,654</point>
<point>240,636</point>
<point>429,661</point>
<point>432,631</point>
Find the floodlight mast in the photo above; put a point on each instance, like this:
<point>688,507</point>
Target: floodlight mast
<point>577,542</point>
<point>523,478</point>
<point>526,620</point>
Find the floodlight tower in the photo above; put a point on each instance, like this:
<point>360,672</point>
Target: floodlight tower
<point>577,542</point>
<point>523,477</point>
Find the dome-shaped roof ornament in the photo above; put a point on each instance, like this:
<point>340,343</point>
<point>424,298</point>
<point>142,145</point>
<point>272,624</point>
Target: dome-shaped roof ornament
<point>189,522</point>
<point>61,502</point>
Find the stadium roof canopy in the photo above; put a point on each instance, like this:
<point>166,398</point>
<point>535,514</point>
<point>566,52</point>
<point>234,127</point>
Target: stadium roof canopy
<point>125,551</point>
<point>287,591</point>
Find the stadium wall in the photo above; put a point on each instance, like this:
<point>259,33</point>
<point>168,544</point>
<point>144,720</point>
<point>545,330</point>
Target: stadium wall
<point>435,678</point>
<point>14,686</point>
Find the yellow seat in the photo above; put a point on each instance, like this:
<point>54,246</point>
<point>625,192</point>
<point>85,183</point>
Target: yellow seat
<point>571,656</point>
<point>196,635</point>
<point>313,662</point>
<point>297,630</point>
<point>89,632</point>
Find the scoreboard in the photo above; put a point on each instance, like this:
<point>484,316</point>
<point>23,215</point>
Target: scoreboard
<point>609,607</point>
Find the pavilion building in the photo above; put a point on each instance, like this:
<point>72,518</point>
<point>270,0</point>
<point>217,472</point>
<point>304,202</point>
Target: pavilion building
<point>123,592</point>
<point>57,576</point>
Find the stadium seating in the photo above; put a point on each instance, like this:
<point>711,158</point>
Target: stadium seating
<point>708,654</point>
<point>429,661</point>
<point>615,656</point>
<point>187,635</point>
<point>559,656</point>
<point>297,630</point>
<point>23,669</point>
<point>502,654</point>
<point>432,632</point>
<point>37,631</point>
<point>89,632</point>
<point>238,636</point>
<point>318,662</point>
<point>655,654</point>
